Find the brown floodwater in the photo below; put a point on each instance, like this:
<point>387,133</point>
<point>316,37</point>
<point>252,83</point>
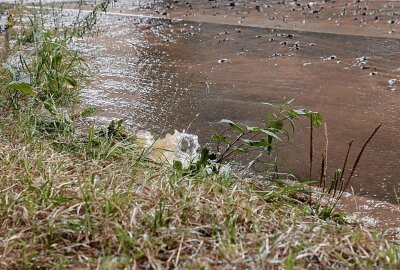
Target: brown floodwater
<point>163,75</point>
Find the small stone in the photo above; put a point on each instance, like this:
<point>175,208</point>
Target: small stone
<point>392,82</point>
<point>332,57</point>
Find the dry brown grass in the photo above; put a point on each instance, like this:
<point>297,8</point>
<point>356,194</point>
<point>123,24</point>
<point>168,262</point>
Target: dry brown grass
<point>63,210</point>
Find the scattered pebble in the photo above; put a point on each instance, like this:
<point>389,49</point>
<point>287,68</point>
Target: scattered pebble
<point>362,59</point>
<point>329,58</point>
<point>392,82</point>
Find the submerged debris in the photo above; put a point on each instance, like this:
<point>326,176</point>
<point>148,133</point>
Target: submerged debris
<point>180,146</point>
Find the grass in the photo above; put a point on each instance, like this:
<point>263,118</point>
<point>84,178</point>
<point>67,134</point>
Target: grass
<point>97,201</point>
<point>62,210</point>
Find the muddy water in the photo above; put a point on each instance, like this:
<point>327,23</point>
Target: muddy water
<point>162,75</point>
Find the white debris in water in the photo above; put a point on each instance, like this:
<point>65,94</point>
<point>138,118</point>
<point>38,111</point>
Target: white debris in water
<point>101,121</point>
<point>362,59</point>
<point>311,4</point>
<point>179,146</point>
<point>392,83</point>
<point>370,221</point>
<point>221,61</point>
<point>329,58</point>
<point>346,194</point>
<point>365,207</point>
<point>362,62</point>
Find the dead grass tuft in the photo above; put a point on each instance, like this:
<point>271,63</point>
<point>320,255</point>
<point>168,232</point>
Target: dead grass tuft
<point>63,210</point>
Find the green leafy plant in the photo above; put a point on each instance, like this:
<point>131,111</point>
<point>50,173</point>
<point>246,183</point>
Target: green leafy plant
<point>56,69</point>
<point>46,80</point>
<point>244,139</point>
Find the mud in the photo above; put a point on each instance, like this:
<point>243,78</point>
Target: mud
<point>356,17</point>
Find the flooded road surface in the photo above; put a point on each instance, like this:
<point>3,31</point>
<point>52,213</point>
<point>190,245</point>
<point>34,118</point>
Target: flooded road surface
<point>162,75</point>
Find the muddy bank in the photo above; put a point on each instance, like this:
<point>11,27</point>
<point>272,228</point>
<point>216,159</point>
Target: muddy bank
<point>366,18</point>
<point>360,18</point>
